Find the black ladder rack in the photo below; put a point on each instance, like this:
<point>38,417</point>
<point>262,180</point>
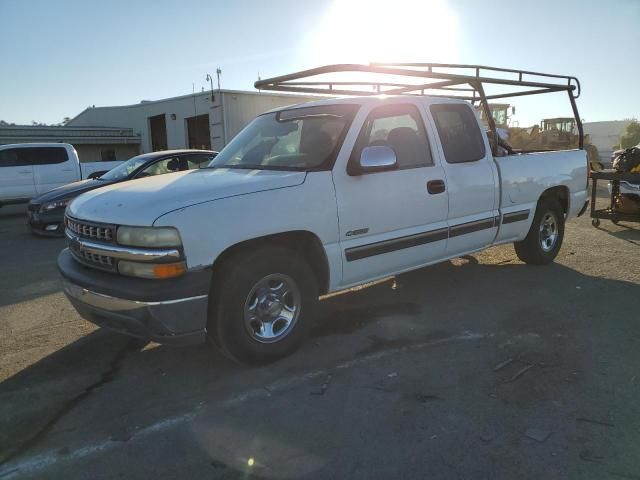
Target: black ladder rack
<point>465,82</point>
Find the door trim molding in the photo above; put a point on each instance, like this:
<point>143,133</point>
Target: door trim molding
<point>408,241</point>
<point>470,227</point>
<point>399,243</point>
<point>518,216</point>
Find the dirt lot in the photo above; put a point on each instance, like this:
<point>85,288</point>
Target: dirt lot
<point>477,368</point>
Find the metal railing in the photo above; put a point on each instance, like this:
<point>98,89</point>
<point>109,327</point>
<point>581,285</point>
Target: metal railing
<point>465,82</point>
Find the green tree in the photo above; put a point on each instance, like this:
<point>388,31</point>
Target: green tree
<point>631,136</point>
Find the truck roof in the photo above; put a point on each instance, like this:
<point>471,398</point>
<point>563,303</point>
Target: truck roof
<point>372,99</point>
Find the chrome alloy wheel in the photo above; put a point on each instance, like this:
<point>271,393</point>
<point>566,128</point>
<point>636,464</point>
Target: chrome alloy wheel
<point>272,308</point>
<point>548,231</point>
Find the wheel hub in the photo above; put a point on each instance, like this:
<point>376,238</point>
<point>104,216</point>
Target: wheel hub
<point>272,308</point>
<point>269,307</point>
<point>548,233</point>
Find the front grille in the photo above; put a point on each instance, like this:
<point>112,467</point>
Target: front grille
<point>99,259</point>
<point>34,207</point>
<point>102,262</point>
<point>92,231</point>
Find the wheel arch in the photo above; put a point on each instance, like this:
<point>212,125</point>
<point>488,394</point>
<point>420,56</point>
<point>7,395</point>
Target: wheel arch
<point>302,242</point>
<point>561,192</point>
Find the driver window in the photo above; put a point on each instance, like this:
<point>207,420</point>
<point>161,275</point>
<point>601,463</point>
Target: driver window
<point>167,165</point>
<point>400,128</point>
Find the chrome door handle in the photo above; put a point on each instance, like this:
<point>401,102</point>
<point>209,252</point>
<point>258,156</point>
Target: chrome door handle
<point>25,171</point>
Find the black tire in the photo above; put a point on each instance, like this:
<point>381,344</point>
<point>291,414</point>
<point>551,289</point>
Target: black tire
<point>536,249</point>
<point>231,286</point>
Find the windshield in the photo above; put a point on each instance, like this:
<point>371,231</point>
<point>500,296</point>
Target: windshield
<point>125,169</point>
<point>305,138</point>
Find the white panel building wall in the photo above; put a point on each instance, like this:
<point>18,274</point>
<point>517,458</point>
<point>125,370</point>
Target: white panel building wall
<point>605,135</point>
<point>239,109</point>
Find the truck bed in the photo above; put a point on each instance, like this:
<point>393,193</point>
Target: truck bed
<point>524,176</point>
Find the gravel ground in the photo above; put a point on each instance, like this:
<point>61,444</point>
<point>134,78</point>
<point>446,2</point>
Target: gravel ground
<point>481,367</point>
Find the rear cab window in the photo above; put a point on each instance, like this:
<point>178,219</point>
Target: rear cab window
<point>399,127</point>
<point>459,133</point>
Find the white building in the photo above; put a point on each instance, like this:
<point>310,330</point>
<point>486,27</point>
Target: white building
<point>206,120</point>
<point>605,136</point>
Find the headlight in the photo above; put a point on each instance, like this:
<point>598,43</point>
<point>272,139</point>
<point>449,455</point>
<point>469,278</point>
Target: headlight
<point>151,270</point>
<point>47,207</point>
<point>148,237</point>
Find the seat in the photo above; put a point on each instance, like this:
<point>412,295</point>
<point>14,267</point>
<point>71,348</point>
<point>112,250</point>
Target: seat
<point>409,148</point>
<point>317,146</point>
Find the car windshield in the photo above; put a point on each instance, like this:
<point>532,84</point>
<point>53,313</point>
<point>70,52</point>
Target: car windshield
<point>305,138</point>
<point>125,169</point>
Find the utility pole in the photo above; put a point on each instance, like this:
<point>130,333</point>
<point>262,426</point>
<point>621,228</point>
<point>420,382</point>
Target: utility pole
<point>218,73</point>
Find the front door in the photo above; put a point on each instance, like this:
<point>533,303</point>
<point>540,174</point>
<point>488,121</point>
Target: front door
<point>389,221</point>
<point>471,176</point>
<point>16,176</point>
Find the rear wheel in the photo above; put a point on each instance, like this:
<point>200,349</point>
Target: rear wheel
<point>543,242</point>
<point>261,304</point>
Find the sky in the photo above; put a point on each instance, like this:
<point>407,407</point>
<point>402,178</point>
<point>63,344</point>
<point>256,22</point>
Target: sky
<point>60,56</point>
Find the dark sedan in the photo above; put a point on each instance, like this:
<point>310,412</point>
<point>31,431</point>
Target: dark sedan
<point>46,212</point>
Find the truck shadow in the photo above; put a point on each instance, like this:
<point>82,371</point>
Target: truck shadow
<point>449,298</point>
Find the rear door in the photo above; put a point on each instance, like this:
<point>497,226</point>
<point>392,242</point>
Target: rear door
<point>16,176</point>
<point>52,167</point>
<point>471,178</point>
<point>389,221</point>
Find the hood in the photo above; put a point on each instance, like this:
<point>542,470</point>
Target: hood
<point>142,201</point>
<point>69,191</point>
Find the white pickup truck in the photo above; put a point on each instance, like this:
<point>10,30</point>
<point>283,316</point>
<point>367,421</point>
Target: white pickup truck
<point>307,200</point>
<point>31,169</point>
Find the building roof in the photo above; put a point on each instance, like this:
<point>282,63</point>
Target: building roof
<point>66,134</point>
<point>190,96</point>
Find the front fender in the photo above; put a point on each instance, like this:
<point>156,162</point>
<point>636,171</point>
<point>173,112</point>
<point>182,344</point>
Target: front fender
<point>208,229</point>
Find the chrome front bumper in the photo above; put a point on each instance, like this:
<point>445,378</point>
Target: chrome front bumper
<point>155,321</point>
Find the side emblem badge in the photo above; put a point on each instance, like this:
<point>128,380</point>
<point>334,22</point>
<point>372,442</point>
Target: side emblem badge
<point>360,231</point>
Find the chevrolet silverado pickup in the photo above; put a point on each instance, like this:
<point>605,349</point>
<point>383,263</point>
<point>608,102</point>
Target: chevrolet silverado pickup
<point>307,200</point>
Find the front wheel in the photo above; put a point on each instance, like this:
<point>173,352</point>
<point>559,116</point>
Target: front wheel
<point>261,304</point>
<point>543,242</point>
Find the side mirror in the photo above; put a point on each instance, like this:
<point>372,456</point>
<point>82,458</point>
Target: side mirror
<point>377,159</point>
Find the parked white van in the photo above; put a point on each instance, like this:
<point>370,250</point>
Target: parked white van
<point>31,169</point>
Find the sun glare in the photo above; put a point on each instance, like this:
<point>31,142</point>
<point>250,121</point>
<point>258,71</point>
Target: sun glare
<point>363,31</point>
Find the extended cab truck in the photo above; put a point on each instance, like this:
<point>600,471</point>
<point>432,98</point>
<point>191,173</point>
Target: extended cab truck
<point>31,169</point>
<point>308,200</point>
